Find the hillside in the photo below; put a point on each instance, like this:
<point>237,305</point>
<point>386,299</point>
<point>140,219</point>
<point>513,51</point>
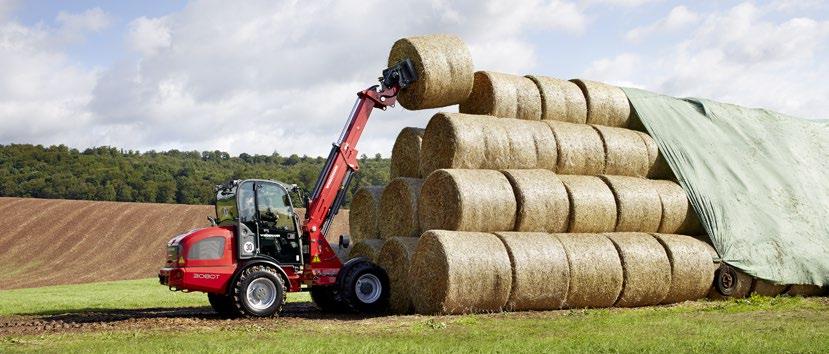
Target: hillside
<point>57,241</point>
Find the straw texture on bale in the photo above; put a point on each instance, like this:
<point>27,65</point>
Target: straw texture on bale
<point>459,272</point>
<point>363,215</point>
<point>503,95</point>
<point>592,205</point>
<point>742,289</point>
<point>657,166</point>
<point>444,68</point>
<point>457,140</point>
<point>467,200</point>
<point>366,248</point>
<point>596,274</point>
<point>561,100</point>
<point>405,155</point>
<point>394,258</point>
<point>678,217</point>
<point>766,288</point>
<point>606,105</point>
<point>580,149</point>
<point>542,201</point>
<point>805,290</point>
<point>646,268</point>
<point>625,152</point>
<point>692,267</point>
<point>398,208</point>
<point>540,271</point>
<point>638,207</point>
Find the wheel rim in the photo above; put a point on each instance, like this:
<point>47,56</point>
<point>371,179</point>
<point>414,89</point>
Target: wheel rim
<point>261,294</point>
<point>368,288</point>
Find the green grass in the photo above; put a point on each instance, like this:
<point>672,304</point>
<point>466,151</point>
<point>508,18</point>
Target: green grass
<point>754,325</point>
<point>126,294</point>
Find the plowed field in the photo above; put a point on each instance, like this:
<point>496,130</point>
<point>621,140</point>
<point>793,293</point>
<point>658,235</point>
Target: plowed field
<point>54,241</point>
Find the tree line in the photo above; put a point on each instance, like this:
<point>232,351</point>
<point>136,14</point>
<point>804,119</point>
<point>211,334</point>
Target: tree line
<point>182,177</point>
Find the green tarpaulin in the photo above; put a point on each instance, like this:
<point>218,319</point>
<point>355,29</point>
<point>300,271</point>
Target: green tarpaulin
<point>758,180</point>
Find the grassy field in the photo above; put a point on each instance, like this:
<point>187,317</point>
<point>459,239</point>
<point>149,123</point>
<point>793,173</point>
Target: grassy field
<point>757,324</point>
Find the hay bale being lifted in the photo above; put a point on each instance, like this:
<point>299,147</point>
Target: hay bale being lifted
<point>405,155</point>
<point>456,140</point>
<point>638,208</point>
<point>459,272</point>
<point>692,267</point>
<point>606,105</point>
<point>543,204</point>
<point>467,200</point>
<point>561,100</point>
<point>444,68</point>
<point>592,205</point>
<point>363,216</point>
<point>540,271</point>
<point>398,208</point>
<point>580,149</point>
<point>625,152</point>
<point>366,248</point>
<point>395,258</point>
<point>596,274</point>
<point>646,268</point>
<point>503,95</point>
<point>678,217</point>
<point>657,166</point>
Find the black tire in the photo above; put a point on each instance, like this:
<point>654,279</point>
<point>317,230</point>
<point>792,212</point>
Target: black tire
<point>262,277</point>
<point>326,298</point>
<point>357,290</point>
<point>222,304</point>
<point>725,280</point>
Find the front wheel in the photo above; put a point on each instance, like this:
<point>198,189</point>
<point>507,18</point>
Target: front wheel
<point>259,292</point>
<point>222,304</point>
<point>364,287</point>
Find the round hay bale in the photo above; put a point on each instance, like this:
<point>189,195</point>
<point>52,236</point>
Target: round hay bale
<point>805,290</point>
<point>540,272</point>
<point>366,248</point>
<point>678,217</point>
<point>580,149</point>
<point>657,166</point>
<point>764,287</point>
<point>596,274</point>
<point>398,208</point>
<point>405,155</point>
<point>363,215</point>
<point>444,67</point>
<point>561,100</point>
<point>625,152</point>
<point>459,272</point>
<point>638,207</point>
<point>692,267</point>
<point>606,105</point>
<point>457,140</point>
<point>503,95</point>
<point>646,268</point>
<point>542,200</point>
<point>467,200</point>
<point>592,205</point>
<point>395,258</point>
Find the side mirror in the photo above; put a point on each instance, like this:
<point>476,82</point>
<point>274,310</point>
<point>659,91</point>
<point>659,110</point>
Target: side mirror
<point>344,241</point>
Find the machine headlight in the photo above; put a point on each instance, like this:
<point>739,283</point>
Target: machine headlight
<point>173,253</point>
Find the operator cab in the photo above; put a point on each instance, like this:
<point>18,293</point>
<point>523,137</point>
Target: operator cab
<point>263,215</point>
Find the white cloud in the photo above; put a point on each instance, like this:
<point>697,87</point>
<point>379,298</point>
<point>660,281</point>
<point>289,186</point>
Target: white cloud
<point>74,26</point>
<point>679,17</point>
<point>625,3</point>
<point>7,7</point>
<point>147,36</point>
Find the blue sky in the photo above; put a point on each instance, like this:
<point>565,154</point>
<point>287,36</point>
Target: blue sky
<point>264,76</point>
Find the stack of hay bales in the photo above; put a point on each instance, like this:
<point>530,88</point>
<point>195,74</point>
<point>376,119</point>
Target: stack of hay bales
<point>540,194</point>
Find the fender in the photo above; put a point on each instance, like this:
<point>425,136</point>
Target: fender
<point>256,261</point>
<point>348,264</point>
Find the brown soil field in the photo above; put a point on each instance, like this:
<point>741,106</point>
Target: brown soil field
<point>55,241</point>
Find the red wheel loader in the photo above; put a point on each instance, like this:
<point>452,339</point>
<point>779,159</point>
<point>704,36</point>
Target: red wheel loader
<point>258,250</point>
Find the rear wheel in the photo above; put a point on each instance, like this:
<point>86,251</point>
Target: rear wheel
<point>364,287</point>
<point>222,304</point>
<point>259,292</point>
<point>326,298</point>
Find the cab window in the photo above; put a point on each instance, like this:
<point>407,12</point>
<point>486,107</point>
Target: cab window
<point>274,206</point>
<point>209,248</point>
<point>247,206</point>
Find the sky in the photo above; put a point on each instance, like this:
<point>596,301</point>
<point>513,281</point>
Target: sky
<point>281,76</point>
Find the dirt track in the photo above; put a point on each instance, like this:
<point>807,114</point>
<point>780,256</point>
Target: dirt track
<point>54,241</point>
